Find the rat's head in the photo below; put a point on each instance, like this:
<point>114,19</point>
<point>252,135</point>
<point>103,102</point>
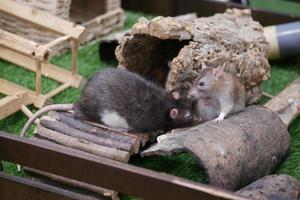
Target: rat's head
<point>205,82</point>
<point>181,111</point>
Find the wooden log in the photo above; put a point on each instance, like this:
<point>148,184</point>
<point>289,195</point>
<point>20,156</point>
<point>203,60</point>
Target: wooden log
<point>287,102</point>
<point>230,151</point>
<point>191,45</point>
<point>280,187</point>
<point>96,129</point>
<point>60,127</point>
<point>81,144</point>
<point>73,183</point>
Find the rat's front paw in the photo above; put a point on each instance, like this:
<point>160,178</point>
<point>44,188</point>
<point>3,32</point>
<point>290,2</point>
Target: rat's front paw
<point>220,118</point>
<point>161,138</point>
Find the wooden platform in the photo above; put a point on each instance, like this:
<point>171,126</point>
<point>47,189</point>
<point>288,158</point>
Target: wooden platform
<point>64,129</point>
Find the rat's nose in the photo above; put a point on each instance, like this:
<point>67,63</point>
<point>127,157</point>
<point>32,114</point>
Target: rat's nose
<point>191,96</point>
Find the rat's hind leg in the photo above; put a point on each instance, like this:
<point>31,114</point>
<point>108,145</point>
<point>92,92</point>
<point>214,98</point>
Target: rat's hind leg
<point>114,120</point>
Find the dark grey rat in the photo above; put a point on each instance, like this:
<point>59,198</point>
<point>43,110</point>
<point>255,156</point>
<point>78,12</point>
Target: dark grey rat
<point>124,100</point>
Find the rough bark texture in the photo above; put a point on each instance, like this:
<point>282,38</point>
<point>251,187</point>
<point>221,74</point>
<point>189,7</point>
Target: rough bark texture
<point>232,40</point>
<point>241,149</point>
<point>273,187</point>
<point>287,102</point>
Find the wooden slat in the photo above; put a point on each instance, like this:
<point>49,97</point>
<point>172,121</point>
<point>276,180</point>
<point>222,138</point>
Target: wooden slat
<point>41,18</point>
<point>10,89</point>
<point>18,188</point>
<point>48,70</point>
<point>104,172</point>
<point>24,46</point>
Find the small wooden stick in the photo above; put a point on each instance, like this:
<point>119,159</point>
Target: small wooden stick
<point>38,77</point>
<point>268,95</point>
<point>74,47</point>
<point>26,111</point>
<point>57,90</point>
<point>57,41</point>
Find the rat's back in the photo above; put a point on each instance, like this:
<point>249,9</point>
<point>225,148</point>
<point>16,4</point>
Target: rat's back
<point>121,97</point>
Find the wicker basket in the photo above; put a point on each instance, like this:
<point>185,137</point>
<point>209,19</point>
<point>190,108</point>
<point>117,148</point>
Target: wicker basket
<point>99,17</point>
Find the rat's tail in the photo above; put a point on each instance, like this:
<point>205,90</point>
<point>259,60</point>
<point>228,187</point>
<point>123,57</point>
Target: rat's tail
<point>54,107</point>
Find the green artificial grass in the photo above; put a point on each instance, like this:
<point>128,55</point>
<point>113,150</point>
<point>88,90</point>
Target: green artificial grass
<point>183,164</point>
<point>282,6</point>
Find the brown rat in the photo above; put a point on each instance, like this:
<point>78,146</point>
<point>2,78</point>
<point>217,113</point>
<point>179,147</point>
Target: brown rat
<point>124,100</point>
<point>218,93</point>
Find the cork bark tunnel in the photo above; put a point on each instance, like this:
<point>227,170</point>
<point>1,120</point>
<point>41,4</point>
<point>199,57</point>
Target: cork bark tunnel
<point>232,40</point>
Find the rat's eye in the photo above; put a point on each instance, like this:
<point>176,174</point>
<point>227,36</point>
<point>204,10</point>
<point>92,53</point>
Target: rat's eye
<point>201,83</point>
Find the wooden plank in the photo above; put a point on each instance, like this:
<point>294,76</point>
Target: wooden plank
<point>18,188</point>
<point>24,46</point>
<point>49,70</point>
<point>41,18</point>
<point>105,173</point>
<point>9,88</point>
<point>81,144</point>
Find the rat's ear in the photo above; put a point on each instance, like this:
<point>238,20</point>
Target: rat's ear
<point>217,72</point>
<point>176,95</point>
<point>173,113</point>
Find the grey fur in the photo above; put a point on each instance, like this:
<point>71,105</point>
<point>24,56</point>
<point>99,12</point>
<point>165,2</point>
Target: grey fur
<point>144,105</point>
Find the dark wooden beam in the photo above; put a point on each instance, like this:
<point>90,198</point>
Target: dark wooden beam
<point>18,188</point>
<point>103,172</point>
<point>203,8</point>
